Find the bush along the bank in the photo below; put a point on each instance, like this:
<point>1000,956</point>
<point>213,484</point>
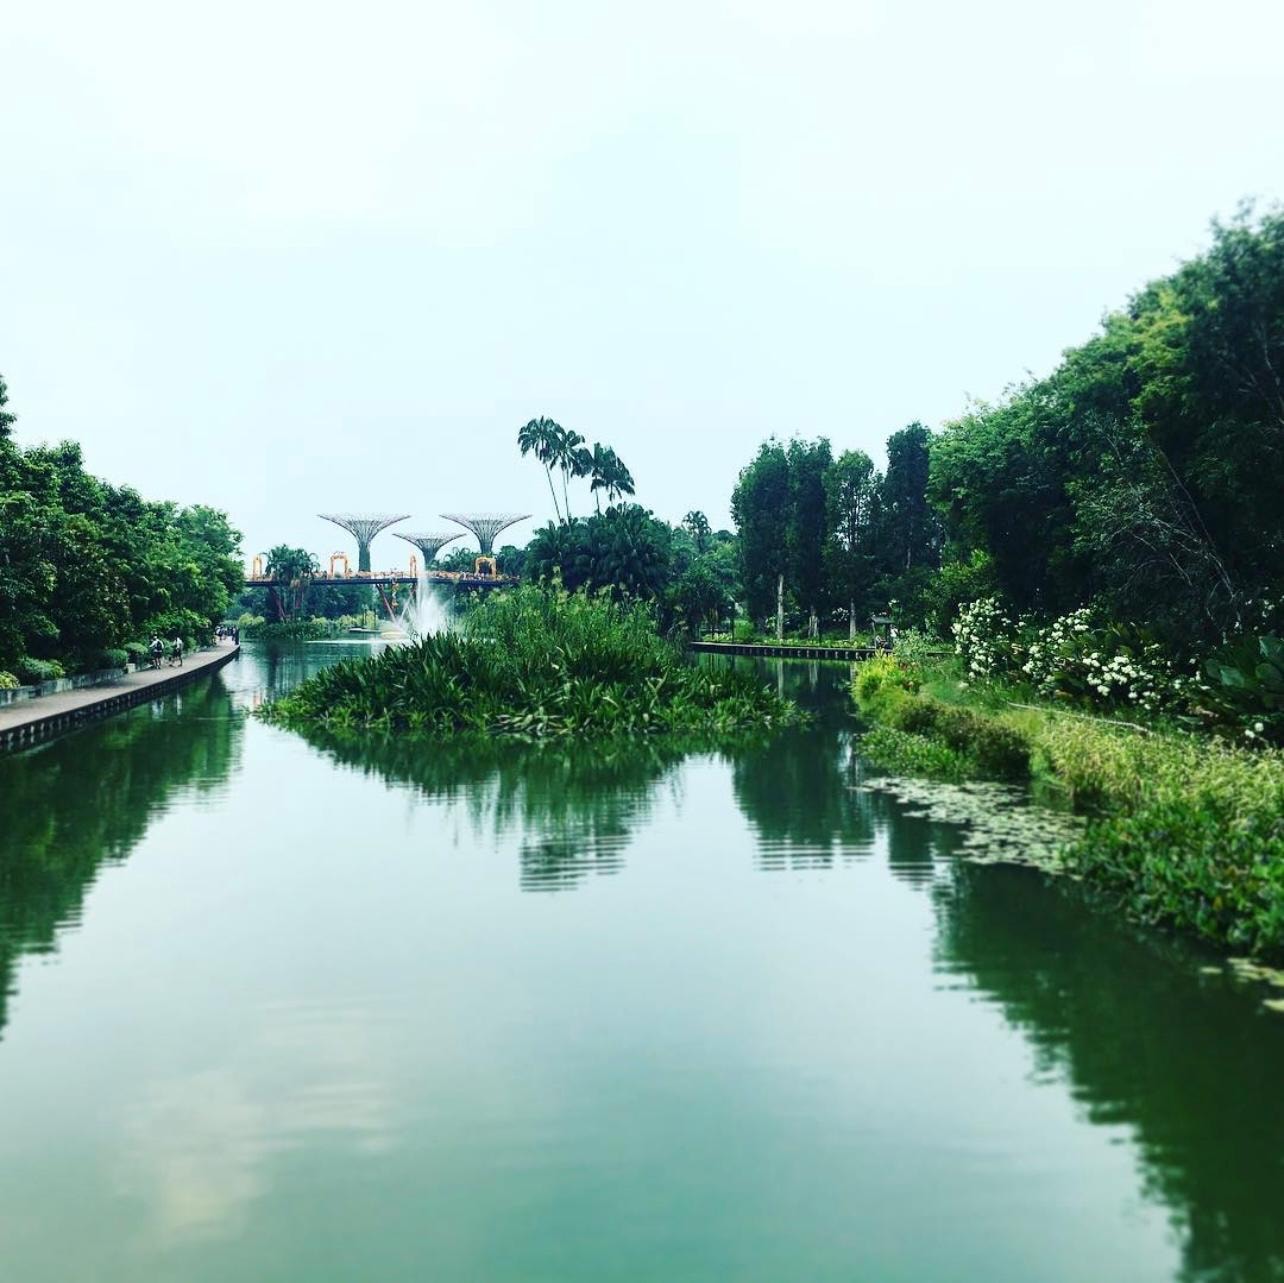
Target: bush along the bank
<point>1238,691</point>
<point>314,628</point>
<point>536,661</point>
<point>1184,830</point>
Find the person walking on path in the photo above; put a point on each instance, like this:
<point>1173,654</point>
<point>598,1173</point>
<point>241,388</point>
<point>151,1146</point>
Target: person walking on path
<point>176,653</point>
<point>157,648</point>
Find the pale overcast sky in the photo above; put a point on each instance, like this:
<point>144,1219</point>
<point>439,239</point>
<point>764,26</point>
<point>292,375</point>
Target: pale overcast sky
<point>291,257</point>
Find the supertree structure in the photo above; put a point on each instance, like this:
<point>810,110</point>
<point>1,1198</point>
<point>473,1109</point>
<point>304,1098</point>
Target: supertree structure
<point>486,525</point>
<point>429,545</point>
<point>364,526</point>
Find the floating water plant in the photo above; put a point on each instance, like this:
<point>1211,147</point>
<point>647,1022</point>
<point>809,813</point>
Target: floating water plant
<point>535,662</point>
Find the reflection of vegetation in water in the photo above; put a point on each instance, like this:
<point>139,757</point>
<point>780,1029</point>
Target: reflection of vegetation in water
<point>88,798</point>
<point>797,792</point>
<point>574,806</point>
<point>1192,1068</point>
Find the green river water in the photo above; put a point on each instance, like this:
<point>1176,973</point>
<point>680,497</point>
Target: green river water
<point>274,1013</point>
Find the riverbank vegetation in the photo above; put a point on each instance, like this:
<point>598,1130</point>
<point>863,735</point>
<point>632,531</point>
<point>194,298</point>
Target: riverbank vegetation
<point>1184,829</point>
<point>535,662</point>
<point>308,628</point>
<point>88,568</point>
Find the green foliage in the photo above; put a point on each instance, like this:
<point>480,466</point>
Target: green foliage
<point>1184,831</point>
<point>875,676</point>
<point>910,754</point>
<point>807,525</point>
<point>114,657</point>
<point>890,690</point>
<point>833,536</point>
<point>33,671</point>
<point>1143,474</point>
<point>850,547</point>
<point>535,662</point>
<point>8,682</point>
<point>559,449</point>
<point>760,505</point>
<point>1248,686</point>
<point>625,550</point>
<point>258,629</point>
<point>85,565</point>
<point>295,568</point>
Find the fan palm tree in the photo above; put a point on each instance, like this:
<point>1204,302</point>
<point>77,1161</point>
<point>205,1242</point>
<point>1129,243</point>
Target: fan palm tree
<point>544,438</point>
<point>574,460</point>
<point>608,473</point>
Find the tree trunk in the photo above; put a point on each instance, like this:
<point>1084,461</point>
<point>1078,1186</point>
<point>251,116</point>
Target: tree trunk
<point>548,472</point>
<point>851,621</point>
<point>780,607</point>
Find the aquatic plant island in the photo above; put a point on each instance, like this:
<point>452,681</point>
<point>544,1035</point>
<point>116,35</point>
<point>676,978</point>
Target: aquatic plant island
<point>535,661</point>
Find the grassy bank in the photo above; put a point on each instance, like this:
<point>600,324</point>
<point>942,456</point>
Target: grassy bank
<point>1183,829</point>
<point>535,662</point>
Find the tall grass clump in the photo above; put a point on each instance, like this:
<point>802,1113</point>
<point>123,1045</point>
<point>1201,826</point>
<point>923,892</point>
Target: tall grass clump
<point>535,661</point>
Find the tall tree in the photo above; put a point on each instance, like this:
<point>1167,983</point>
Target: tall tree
<point>7,418</point>
<point>697,526</point>
<point>909,524</point>
<point>544,439</point>
<point>850,487</point>
<point>607,472</point>
<point>760,505</point>
<point>807,526</point>
<point>295,568</point>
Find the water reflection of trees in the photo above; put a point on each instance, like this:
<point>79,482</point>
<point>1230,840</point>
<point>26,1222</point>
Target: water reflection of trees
<point>87,799</point>
<point>574,806</point>
<point>1192,1068</point>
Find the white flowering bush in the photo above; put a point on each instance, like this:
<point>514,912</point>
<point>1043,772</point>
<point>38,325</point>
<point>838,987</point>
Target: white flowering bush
<point>985,637</point>
<point>1073,657</point>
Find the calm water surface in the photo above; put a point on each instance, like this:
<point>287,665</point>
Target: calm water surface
<point>275,1013</point>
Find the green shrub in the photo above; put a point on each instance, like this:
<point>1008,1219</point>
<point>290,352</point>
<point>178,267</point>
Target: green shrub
<point>8,682</point>
<point>1186,830</point>
<point>881,673</point>
<point>1199,867</point>
<point>136,652</point>
<point>533,662</point>
<point>113,657</point>
<point>994,746</point>
<point>910,754</point>
<point>33,671</point>
<point>258,629</point>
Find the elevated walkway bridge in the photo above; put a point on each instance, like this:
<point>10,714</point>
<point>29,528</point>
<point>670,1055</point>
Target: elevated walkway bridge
<point>389,578</point>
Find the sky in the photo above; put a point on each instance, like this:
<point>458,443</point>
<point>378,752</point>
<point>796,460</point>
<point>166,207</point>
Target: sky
<point>287,258</point>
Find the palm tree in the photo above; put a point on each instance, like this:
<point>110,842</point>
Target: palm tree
<point>609,474</point>
<point>698,528</point>
<point>544,439</point>
<point>574,460</point>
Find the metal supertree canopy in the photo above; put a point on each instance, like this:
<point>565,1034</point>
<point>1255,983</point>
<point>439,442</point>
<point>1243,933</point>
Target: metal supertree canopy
<point>486,525</point>
<point>431,544</point>
<point>364,525</point>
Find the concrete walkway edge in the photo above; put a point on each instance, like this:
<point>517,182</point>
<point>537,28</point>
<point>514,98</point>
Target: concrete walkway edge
<point>31,720</point>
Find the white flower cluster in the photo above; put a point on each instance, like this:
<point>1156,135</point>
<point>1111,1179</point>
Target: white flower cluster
<point>983,636</point>
<point>1071,656</point>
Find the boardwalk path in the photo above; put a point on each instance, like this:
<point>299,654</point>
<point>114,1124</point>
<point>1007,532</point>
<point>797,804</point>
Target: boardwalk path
<point>28,720</point>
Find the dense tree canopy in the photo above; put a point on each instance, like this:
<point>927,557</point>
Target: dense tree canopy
<point>1145,472</point>
<point>86,566</point>
<point>833,537</point>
